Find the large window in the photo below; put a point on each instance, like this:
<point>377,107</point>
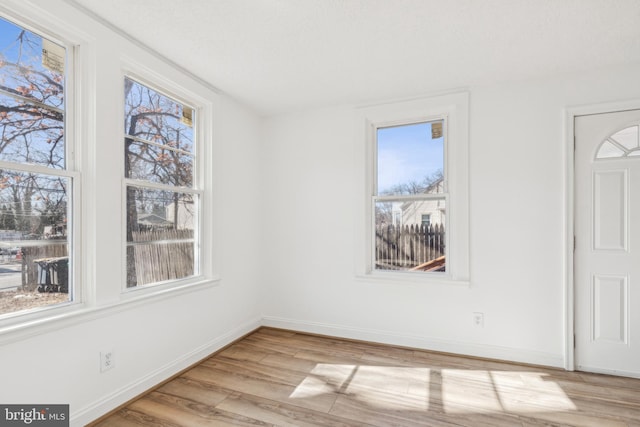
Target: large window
<point>36,172</point>
<point>410,197</point>
<point>162,192</point>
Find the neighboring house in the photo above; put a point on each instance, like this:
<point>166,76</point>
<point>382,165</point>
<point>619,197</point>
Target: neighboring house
<point>151,221</point>
<point>423,212</point>
<point>185,214</point>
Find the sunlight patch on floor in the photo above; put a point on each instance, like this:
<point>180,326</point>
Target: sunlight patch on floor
<point>469,391</point>
<point>387,387</point>
<point>458,391</point>
<point>324,378</point>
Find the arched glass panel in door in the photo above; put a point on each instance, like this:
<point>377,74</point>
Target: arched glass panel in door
<point>623,143</point>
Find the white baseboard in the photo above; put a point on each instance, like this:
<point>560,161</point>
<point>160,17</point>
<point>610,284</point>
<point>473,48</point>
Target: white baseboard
<point>124,394</point>
<point>414,341</point>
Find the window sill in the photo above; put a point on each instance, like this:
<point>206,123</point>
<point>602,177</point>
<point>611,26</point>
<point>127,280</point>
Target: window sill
<point>56,318</point>
<point>411,278</point>
<point>171,287</point>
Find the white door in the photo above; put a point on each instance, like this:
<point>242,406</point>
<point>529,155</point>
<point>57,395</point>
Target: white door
<point>607,247</point>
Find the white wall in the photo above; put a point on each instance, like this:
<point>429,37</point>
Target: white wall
<point>517,169</point>
<point>157,336</point>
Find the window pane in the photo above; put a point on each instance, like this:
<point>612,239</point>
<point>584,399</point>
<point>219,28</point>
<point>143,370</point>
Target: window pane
<point>608,150</point>
<point>627,137</point>
<point>25,71</point>
<point>159,164</point>
<point>34,240</point>
<point>166,128</point>
<point>404,242</point>
<point>31,98</point>
<point>160,235</point>
<point>410,159</point>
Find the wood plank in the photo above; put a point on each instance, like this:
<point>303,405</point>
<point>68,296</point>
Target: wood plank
<point>128,417</point>
<point>310,394</point>
<point>256,370</point>
<point>289,362</point>
<point>198,391</point>
<point>173,410</point>
<point>282,414</point>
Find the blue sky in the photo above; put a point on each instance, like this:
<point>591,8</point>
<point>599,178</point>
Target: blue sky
<point>407,153</point>
<point>9,45</point>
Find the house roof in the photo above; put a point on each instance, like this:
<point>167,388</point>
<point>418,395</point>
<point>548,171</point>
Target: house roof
<point>153,219</point>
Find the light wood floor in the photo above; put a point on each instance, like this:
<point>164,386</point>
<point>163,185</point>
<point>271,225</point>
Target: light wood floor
<point>275,377</point>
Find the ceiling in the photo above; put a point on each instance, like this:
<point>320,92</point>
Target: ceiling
<point>285,55</point>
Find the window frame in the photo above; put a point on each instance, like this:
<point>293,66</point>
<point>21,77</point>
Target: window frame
<point>453,109</point>
<point>202,108</point>
<point>75,125</point>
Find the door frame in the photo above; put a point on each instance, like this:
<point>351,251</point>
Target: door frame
<point>569,213</point>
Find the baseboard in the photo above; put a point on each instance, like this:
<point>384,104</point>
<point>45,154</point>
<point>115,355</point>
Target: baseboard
<point>113,400</point>
<point>414,341</point>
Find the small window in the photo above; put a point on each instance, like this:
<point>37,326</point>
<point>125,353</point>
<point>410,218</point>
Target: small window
<point>413,160</point>
<point>410,197</point>
<point>624,143</point>
<point>162,192</point>
<point>36,173</point>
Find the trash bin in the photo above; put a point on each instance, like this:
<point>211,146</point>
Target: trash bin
<point>53,274</point>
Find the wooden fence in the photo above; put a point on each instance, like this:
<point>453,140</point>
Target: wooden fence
<point>408,246</point>
<point>162,255</point>
<point>158,256</point>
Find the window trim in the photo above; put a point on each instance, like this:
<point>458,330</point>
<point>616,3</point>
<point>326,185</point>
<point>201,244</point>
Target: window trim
<point>453,108</point>
<point>202,179</point>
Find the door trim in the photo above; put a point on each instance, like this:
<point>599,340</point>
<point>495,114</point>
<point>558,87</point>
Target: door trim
<point>570,113</point>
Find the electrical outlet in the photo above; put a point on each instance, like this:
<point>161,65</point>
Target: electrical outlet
<point>106,360</point>
<point>478,320</point>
